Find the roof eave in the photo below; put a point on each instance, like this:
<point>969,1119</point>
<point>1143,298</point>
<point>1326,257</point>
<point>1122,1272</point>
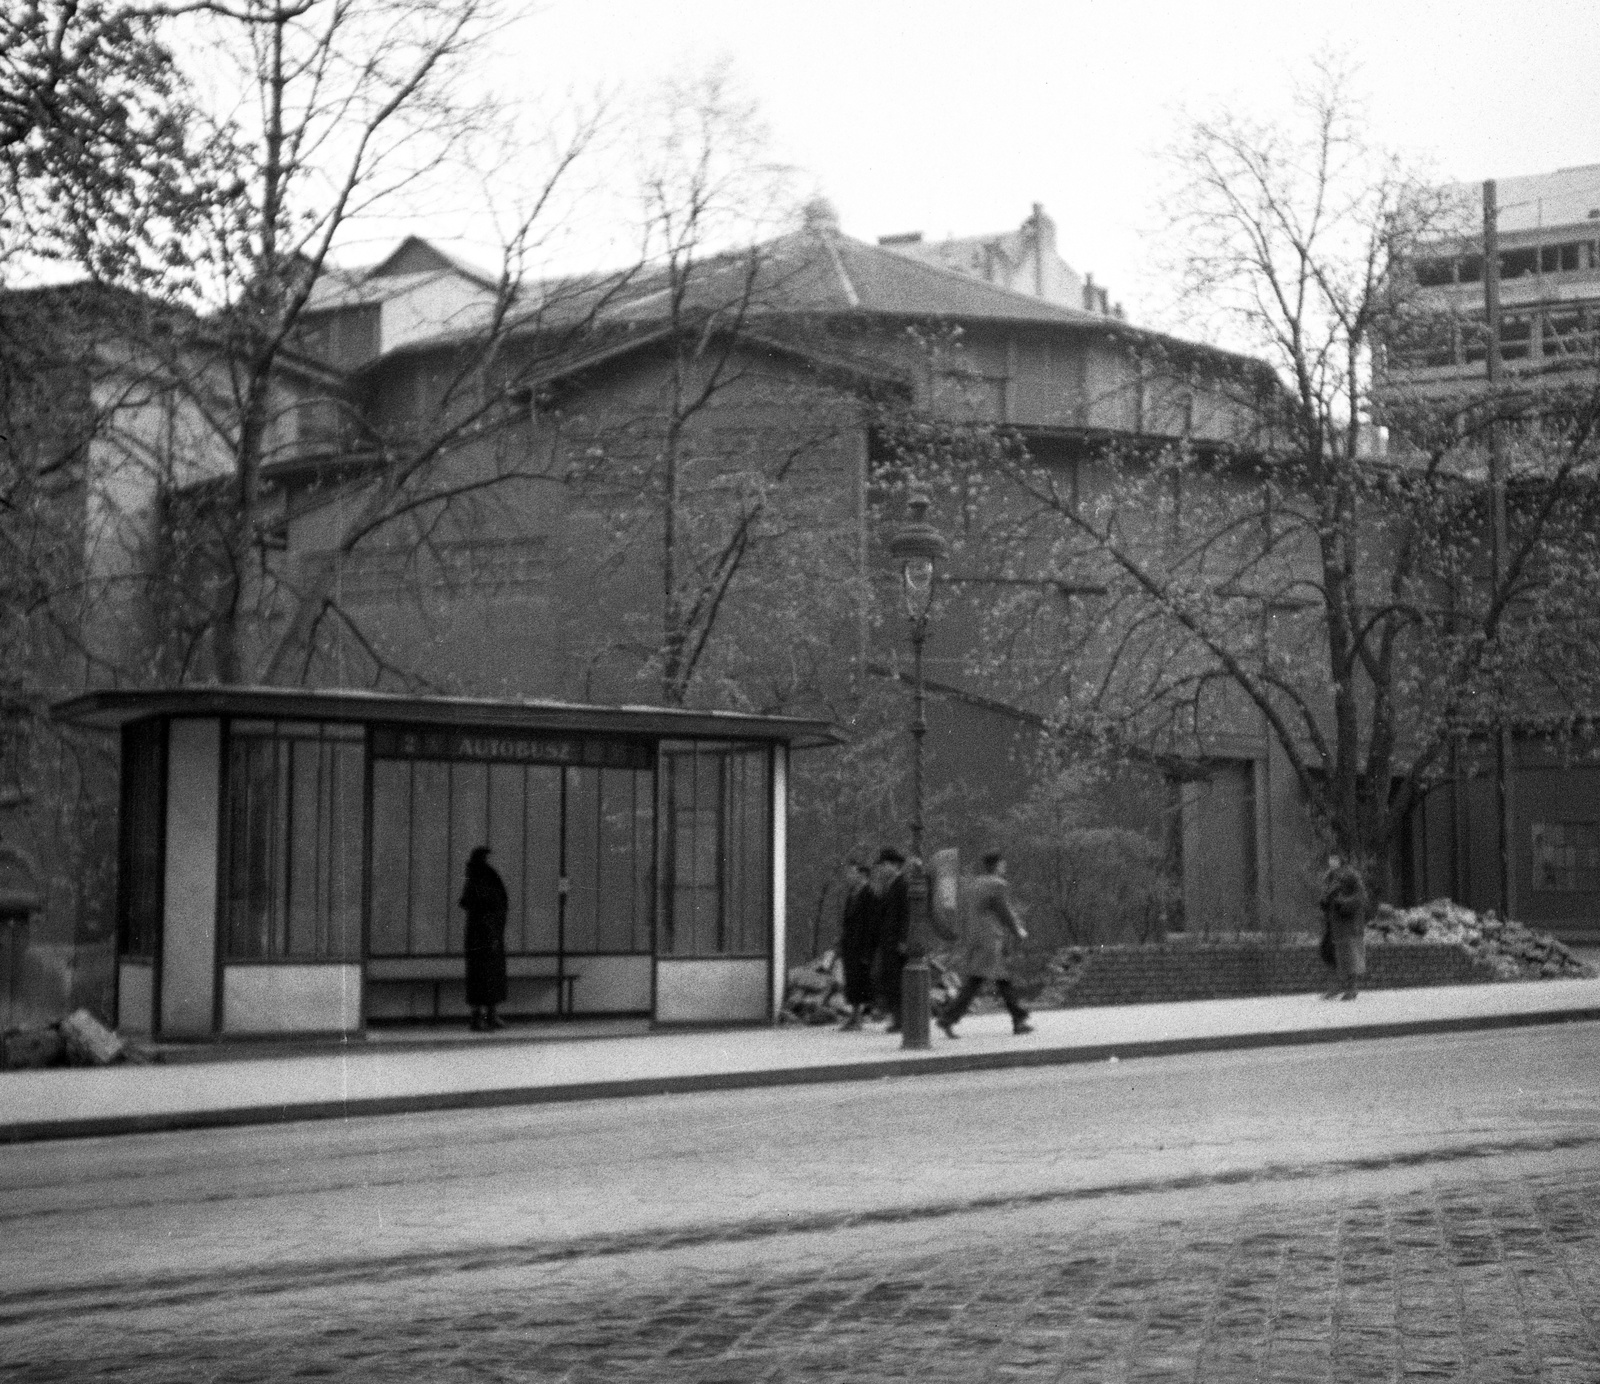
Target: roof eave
<point>112,708</point>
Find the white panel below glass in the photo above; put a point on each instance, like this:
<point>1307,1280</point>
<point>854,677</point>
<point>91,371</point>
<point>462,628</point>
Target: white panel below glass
<point>135,996</point>
<point>291,999</point>
<point>610,984</point>
<point>711,991</point>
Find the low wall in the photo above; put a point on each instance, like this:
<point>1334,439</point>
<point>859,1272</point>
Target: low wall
<point>1187,971</point>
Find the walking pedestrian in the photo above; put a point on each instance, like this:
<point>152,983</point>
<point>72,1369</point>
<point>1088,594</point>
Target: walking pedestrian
<point>857,943</point>
<point>485,902</point>
<point>988,926</point>
<point>891,921</point>
<point>1344,921</point>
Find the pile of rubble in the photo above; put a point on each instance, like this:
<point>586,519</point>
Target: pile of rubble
<point>815,991</point>
<point>1510,950</point>
<point>79,1040</point>
<point>1059,973</point>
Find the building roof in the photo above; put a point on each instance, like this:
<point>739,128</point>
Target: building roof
<point>413,263</point>
<point>414,255</point>
<point>818,272</point>
<point>1567,197</point>
<point>345,289</point>
<point>111,708</point>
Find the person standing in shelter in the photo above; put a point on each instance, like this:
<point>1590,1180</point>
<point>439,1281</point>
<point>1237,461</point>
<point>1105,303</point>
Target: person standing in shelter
<point>891,920</point>
<point>989,927</point>
<point>485,902</point>
<point>857,943</point>
<point>1344,912</point>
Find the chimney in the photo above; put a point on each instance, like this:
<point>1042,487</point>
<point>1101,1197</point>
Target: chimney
<point>1044,243</point>
<point>820,214</point>
<point>1044,229</point>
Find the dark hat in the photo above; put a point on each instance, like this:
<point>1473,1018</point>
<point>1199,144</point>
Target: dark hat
<point>479,856</point>
<point>890,855</point>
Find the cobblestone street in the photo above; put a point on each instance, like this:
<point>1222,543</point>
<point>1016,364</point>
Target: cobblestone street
<point>709,1238</point>
<point>1455,1277</point>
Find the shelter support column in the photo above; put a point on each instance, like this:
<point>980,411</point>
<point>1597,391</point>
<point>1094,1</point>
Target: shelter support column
<point>189,921</point>
<point>780,875</point>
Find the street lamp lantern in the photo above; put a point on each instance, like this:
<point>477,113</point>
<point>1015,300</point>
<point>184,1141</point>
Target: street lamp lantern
<point>919,547</point>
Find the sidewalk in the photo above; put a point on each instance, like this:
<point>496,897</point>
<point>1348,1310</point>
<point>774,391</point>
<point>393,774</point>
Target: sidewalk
<point>391,1075</point>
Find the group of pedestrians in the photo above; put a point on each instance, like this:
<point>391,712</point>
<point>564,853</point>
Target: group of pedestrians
<point>872,938</point>
<point>875,924</point>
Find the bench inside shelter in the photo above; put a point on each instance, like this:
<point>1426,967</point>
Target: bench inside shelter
<point>434,987</point>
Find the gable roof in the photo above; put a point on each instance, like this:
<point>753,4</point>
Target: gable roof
<point>413,263</point>
<point>414,255</point>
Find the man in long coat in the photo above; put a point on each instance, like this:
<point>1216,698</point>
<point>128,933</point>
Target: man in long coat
<point>858,943</point>
<point>989,927</point>
<point>485,902</point>
<point>891,921</point>
<point>1344,913</point>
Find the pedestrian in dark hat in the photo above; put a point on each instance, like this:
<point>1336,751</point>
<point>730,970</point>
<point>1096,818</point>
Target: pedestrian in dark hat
<point>891,920</point>
<point>858,943</point>
<point>988,928</point>
<point>485,902</point>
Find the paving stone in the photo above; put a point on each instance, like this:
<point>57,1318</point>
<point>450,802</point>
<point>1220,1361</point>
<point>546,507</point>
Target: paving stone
<point>1475,1279</point>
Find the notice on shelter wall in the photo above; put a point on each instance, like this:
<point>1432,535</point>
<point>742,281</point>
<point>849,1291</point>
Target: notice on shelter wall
<point>510,747</point>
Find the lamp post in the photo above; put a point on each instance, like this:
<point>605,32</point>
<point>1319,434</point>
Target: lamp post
<point>918,546</point>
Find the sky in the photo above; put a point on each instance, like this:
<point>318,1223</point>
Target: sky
<point>952,118</point>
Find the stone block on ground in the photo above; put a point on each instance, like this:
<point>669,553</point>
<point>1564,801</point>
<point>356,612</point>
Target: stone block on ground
<point>89,1042</point>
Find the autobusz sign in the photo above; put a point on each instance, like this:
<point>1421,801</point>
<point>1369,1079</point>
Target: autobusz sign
<point>510,747</point>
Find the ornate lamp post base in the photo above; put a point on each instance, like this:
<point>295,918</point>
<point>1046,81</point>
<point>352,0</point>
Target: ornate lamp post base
<point>916,977</point>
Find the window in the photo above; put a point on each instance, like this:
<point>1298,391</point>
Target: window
<point>1514,264</point>
<point>1566,857</point>
<point>716,851</point>
<point>1433,272</point>
<point>572,844</point>
<point>140,840</point>
<point>1564,335</point>
<point>1556,259</point>
<point>965,394</point>
<point>295,823</point>
<point>1516,337</point>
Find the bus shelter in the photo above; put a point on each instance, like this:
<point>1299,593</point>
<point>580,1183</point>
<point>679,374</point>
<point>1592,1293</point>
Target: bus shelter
<point>290,860</point>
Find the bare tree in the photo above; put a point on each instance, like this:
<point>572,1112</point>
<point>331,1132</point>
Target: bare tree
<point>720,464</point>
<point>1316,586</point>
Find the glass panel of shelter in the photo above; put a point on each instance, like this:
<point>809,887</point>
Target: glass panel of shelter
<point>716,850</point>
<point>573,845</point>
<point>294,824</point>
<point>576,844</point>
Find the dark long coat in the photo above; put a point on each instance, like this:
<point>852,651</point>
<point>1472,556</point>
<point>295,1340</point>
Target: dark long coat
<point>891,921</point>
<point>485,902</point>
<point>1344,901</point>
<point>858,942</point>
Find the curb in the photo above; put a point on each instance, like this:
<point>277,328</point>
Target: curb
<point>876,1069</point>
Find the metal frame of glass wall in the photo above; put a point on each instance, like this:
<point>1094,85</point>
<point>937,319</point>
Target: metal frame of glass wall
<point>281,848</point>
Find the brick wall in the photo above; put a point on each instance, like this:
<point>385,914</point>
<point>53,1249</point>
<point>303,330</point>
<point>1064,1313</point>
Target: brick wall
<point>1152,974</point>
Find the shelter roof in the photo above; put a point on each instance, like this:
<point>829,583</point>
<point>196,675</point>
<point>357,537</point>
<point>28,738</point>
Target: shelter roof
<point>111,708</point>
